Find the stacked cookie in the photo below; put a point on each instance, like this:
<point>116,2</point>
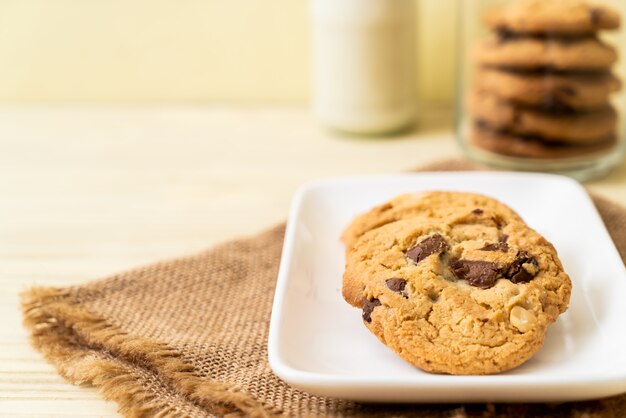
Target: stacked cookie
<point>452,282</point>
<point>543,80</point>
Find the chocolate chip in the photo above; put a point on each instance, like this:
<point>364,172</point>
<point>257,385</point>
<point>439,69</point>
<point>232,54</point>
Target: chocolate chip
<point>481,274</point>
<point>477,211</point>
<point>568,91</point>
<point>431,245</point>
<point>482,124</point>
<point>594,16</point>
<point>517,273</point>
<point>496,246</point>
<point>556,107</point>
<point>504,238</point>
<point>505,35</point>
<point>368,307</point>
<point>517,117</point>
<point>395,284</point>
<point>564,39</point>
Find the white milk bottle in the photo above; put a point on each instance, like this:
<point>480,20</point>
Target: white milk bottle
<point>364,64</point>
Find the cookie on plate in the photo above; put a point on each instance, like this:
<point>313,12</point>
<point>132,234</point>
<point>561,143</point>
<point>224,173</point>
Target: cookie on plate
<point>554,17</point>
<point>428,205</point>
<point>576,91</point>
<point>524,52</point>
<point>471,294</point>
<point>581,128</point>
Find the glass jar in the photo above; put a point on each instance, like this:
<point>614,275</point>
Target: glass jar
<point>541,84</point>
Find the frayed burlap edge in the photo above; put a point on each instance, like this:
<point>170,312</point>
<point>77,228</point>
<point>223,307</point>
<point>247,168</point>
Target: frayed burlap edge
<point>68,337</point>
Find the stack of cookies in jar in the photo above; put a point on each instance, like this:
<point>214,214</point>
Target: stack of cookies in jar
<point>543,80</point>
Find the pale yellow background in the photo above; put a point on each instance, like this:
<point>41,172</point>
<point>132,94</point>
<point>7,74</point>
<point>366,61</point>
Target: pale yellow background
<point>250,51</point>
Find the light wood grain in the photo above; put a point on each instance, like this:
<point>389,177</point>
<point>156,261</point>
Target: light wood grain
<point>86,192</point>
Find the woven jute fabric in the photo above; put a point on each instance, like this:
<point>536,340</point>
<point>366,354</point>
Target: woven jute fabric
<point>188,338</point>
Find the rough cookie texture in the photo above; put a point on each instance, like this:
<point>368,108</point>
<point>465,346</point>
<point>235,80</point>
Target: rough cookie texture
<point>554,16</point>
<point>588,53</point>
<point>471,292</point>
<point>549,91</point>
<point>429,205</point>
<point>580,128</point>
<point>505,143</point>
<point>543,81</point>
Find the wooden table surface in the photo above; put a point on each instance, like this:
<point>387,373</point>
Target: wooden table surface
<point>86,192</point>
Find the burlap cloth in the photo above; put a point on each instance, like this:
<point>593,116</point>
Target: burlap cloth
<point>188,337</point>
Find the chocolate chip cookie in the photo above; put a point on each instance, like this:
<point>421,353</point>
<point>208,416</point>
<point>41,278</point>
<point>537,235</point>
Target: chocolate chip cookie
<point>472,293</point>
<point>506,143</point>
<point>543,82</point>
<point>528,52</point>
<point>549,90</point>
<point>580,128</point>
<point>554,16</point>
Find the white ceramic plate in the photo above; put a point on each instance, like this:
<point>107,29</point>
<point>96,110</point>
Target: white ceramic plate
<point>318,342</point>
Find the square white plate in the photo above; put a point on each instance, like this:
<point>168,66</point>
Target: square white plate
<point>318,342</point>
